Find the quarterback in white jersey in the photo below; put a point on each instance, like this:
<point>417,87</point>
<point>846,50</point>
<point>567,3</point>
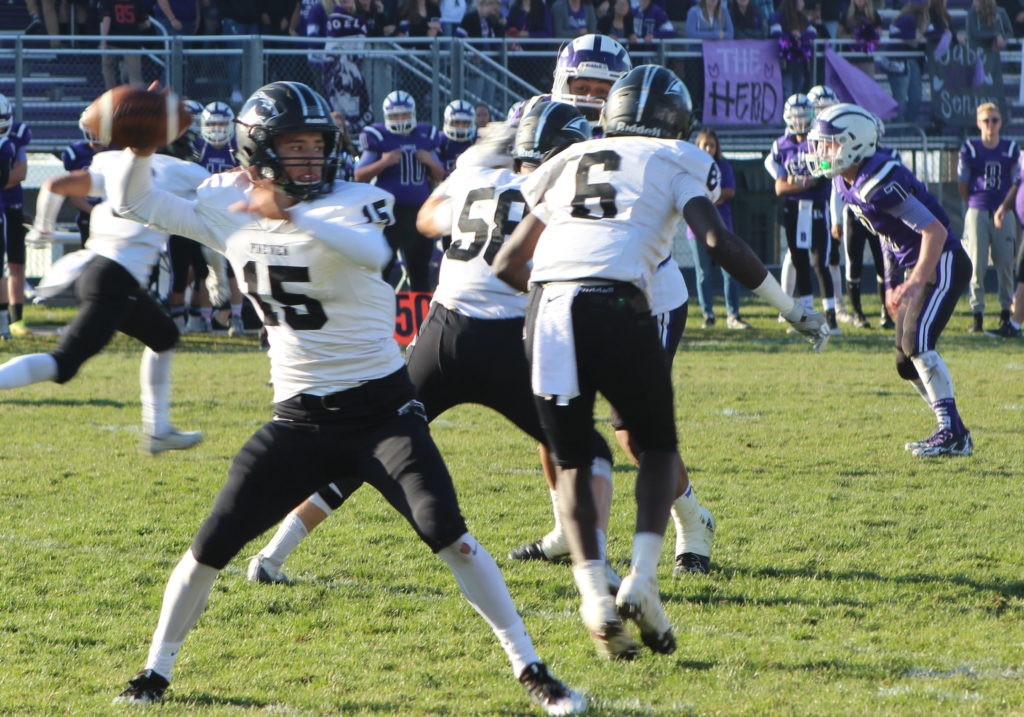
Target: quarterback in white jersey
<point>112,275</point>
<point>310,257</point>
<point>596,234</point>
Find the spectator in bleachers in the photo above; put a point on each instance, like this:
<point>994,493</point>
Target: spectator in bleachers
<point>748,22</point>
<point>709,20</point>
<point>904,73</point>
<point>795,34</point>
<point>831,15</point>
<point>375,17</point>
<point>452,12</point>
<point>483,115</point>
<point>650,21</point>
<point>121,18</point>
<point>44,12</point>
<point>529,18</point>
<point>862,24</point>
<point>617,23</point>
<point>276,16</point>
<point>344,86</point>
<point>238,17</point>
<point>573,17</point>
<point>419,18</point>
<point>179,17</point>
<point>988,25</point>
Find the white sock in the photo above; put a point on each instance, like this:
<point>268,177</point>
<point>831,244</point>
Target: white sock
<point>591,580</point>
<point>807,301</point>
<point>828,304</point>
<point>919,385</point>
<point>155,385</point>
<point>289,534</point>
<point>26,370</point>
<point>184,599</point>
<point>686,514</point>
<point>481,583</point>
<point>787,275</point>
<point>646,553</point>
<point>555,543</point>
<point>837,285</point>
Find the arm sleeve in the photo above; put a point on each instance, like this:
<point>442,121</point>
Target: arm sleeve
<point>773,166</point>
<point>836,205</point>
<point>131,192</point>
<point>362,244</point>
<point>912,213</point>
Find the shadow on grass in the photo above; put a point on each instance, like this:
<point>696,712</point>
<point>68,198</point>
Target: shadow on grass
<point>205,700</point>
<point>95,402</point>
<point>1007,590</point>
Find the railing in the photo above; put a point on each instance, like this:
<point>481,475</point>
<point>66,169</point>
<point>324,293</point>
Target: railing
<point>51,86</point>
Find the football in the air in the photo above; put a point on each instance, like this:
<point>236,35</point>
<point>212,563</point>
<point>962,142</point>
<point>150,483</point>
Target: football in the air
<point>132,116</point>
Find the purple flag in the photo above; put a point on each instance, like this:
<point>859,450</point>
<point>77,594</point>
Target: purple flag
<point>742,82</point>
<point>853,85</point>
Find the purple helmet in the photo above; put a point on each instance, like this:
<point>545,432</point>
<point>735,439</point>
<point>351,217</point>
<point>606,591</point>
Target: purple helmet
<point>597,57</point>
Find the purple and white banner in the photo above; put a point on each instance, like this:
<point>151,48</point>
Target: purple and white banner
<point>742,82</point>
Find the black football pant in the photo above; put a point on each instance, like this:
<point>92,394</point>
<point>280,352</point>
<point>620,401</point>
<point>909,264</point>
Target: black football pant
<point>416,249</point>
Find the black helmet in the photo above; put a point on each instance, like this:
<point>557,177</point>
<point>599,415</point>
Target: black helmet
<point>546,129</point>
<point>280,108</point>
<point>649,101</point>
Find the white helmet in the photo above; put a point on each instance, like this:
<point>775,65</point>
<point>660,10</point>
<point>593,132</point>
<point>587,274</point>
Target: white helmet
<point>6,115</point>
<point>216,123</point>
<point>797,114</point>
<point>459,121</point>
<point>822,97</point>
<point>596,57</point>
<point>399,102</point>
<point>195,108</point>
<point>842,136</point>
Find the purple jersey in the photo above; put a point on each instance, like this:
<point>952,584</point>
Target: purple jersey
<point>788,159</point>
<point>988,173</point>
<point>216,159</point>
<point>77,156</point>
<point>8,154</point>
<point>448,151</point>
<point>895,205</point>
<point>341,24</point>
<point>408,180</point>
<point>19,135</point>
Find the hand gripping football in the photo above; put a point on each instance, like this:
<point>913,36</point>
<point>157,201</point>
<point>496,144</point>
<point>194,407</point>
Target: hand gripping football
<point>132,116</point>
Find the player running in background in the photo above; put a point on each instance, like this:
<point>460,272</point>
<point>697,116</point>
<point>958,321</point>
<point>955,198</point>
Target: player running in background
<point>804,212</point>
<point>918,242</point>
<point>12,198</point>
<point>344,404</point>
<point>400,154</point>
<point>604,214</point>
<point>112,295</point>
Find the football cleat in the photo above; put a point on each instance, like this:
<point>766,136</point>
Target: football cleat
<point>145,688</point>
<point>844,317</point>
<point>638,600</point>
<point>173,440</point>
<point>19,330</point>
<point>812,326</point>
<point>536,551</point>
<point>1006,331</point>
<point>913,445</point>
<point>553,696</point>
<point>709,321</point>
<point>947,443</point>
<point>736,323</point>
<point>687,563</point>
<point>887,323</point>
<point>610,635</point>
<point>977,324</point>
<point>236,327</point>
<point>697,543</point>
<point>830,320</point>
<point>861,321</point>
<point>261,572</point>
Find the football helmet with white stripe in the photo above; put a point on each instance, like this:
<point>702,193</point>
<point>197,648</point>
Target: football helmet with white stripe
<point>595,57</point>
<point>215,123</point>
<point>459,121</point>
<point>842,136</point>
<point>399,112</point>
<point>283,108</point>
<point>6,115</point>
<point>547,129</point>
<point>649,101</point>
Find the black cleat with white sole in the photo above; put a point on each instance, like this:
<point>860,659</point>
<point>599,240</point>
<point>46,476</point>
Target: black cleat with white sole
<point>145,688</point>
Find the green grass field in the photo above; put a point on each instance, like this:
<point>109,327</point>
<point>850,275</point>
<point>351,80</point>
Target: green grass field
<point>849,578</point>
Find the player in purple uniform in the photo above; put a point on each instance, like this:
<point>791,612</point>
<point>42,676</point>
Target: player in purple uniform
<point>585,71</point>
<point>12,197</point>
<point>78,155</point>
<point>457,134</point>
<point>917,241</point>
<point>988,179</point>
<point>400,154</point>
<point>805,211</point>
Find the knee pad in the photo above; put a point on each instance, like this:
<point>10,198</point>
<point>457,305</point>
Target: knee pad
<point>905,367</point>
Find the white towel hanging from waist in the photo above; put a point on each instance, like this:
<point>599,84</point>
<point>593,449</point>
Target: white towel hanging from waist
<point>553,363</point>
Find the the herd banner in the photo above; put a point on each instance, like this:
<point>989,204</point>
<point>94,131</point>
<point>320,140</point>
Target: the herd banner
<point>742,82</point>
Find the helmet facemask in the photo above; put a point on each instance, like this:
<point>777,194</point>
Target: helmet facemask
<point>399,112</point>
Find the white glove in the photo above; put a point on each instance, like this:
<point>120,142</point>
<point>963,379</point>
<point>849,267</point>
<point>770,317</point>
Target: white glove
<point>811,325</point>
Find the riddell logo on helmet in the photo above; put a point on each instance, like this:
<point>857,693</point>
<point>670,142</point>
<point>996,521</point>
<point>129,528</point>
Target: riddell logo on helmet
<point>621,126</point>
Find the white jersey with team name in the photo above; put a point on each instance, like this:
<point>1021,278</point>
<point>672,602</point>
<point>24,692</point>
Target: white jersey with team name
<point>315,280</point>
<point>611,206</point>
<point>135,246</point>
<point>483,207</point>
